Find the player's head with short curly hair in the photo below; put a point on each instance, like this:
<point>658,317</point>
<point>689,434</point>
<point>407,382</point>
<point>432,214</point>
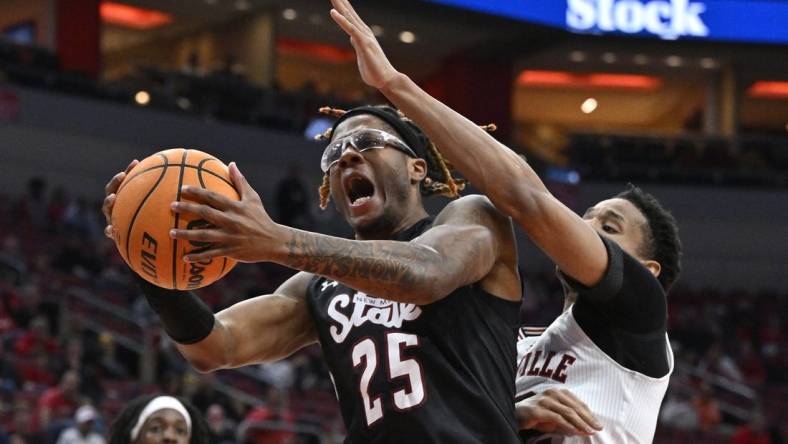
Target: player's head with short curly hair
<point>143,422</point>
<point>661,241</point>
<point>377,189</point>
<point>643,228</point>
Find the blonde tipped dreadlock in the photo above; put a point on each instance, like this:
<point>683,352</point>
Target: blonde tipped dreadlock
<point>333,112</point>
<point>452,187</point>
<point>325,192</point>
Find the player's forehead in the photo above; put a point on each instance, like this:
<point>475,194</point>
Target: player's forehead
<point>617,208</point>
<point>359,122</point>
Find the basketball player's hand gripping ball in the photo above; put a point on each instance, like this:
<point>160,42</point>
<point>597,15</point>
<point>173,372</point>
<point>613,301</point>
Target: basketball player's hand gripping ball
<point>139,217</point>
<point>241,230</point>
<point>374,67</point>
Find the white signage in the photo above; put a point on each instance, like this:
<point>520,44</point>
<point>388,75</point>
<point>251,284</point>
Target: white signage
<point>666,19</point>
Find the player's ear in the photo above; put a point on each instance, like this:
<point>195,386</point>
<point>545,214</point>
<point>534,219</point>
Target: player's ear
<point>417,169</point>
<point>653,266</point>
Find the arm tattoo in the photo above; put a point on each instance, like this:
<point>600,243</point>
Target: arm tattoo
<point>448,256</point>
<point>378,267</point>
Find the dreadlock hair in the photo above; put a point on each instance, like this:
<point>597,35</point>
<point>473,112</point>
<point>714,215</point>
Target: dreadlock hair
<point>439,180</point>
<point>120,431</point>
<point>662,234</point>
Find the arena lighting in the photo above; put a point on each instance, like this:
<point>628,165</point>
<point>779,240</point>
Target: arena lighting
<point>674,61</point>
<point>589,105</point>
<point>564,79</point>
<point>769,90</point>
<point>289,14</point>
<point>242,5</point>
<point>609,57</point>
<point>377,30</point>
<point>320,51</point>
<point>640,59</point>
<point>709,63</point>
<point>142,98</point>
<point>132,16</point>
<point>577,56</point>
<point>407,37</point>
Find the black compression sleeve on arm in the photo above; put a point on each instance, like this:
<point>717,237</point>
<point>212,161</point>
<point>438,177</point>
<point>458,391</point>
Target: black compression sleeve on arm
<point>185,317</point>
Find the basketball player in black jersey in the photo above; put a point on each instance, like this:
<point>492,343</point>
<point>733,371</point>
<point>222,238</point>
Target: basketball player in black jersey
<point>417,318</point>
<point>617,261</point>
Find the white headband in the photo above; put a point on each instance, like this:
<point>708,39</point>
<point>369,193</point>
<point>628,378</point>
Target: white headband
<point>161,403</point>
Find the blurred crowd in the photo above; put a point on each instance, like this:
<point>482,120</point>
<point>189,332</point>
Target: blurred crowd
<point>66,369</point>
<point>68,365</point>
<point>225,94</point>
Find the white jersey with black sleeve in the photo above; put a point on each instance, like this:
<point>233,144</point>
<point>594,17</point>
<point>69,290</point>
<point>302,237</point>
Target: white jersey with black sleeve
<point>610,349</point>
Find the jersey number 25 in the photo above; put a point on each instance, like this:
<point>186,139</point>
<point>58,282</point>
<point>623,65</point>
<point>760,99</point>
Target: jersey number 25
<point>365,354</point>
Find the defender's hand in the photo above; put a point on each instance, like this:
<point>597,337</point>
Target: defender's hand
<point>374,66</point>
<point>109,201</point>
<point>557,411</point>
<point>242,230</point>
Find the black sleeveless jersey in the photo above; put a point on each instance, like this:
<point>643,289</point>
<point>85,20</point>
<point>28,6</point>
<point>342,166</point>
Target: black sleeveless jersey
<point>437,373</point>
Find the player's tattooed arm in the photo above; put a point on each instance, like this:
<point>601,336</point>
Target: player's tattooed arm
<point>463,247</point>
<point>500,173</point>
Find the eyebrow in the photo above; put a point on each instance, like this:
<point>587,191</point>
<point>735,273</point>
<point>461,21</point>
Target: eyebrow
<point>610,214</point>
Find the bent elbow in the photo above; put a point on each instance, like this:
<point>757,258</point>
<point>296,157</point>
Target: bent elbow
<point>524,204</point>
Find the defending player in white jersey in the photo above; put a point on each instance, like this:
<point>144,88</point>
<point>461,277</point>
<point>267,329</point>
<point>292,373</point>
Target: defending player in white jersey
<point>610,347</point>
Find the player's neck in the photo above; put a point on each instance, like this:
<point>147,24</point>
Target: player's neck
<point>389,232</point>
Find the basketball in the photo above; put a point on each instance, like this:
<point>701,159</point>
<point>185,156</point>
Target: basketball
<point>142,218</point>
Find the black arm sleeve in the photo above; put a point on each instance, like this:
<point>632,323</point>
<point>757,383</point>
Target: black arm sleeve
<point>625,314</point>
<point>185,317</point>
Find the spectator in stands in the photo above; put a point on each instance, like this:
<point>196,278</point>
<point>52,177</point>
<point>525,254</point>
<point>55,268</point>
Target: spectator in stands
<point>9,377</point>
<point>37,338</point>
<point>222,430</point>
<point>38,370</point>
<point>204,394</point>
<point>754,432</point>
<point>79,219</point>
<point>59,403</point>
<point>678,412</point>
<point>83,430</point>
<point>270,423</point>
<point>56,210</point>
<point>292,199</point>
<point>159,419</point>
<point>707,409</point>
<point>22,428</point>
<point>33,207</point>
<point>716,361</point>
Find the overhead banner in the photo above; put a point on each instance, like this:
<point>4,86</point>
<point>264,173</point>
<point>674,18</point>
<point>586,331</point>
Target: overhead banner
<point>756,21</point>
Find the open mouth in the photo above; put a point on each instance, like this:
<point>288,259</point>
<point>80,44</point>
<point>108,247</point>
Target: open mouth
<point>359,190</point>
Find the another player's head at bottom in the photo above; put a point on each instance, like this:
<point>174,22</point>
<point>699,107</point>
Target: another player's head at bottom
<point>159,420</point>
<point>643,228</point>
<point>377,166</point>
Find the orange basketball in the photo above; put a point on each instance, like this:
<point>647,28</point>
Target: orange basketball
<point>142,218</point>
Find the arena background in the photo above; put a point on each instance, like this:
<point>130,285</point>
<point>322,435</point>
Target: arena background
<point>692,106</point>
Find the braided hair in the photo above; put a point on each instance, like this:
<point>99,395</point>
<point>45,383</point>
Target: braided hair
<point>439,180</point>
<point>120,431</point>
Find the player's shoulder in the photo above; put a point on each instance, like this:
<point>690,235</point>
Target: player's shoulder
<point>471,209</point>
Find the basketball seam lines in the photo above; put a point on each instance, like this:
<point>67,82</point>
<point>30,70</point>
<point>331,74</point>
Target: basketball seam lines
<point>176,165</point>
<point>177,219</point>
<point>145,199</point>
